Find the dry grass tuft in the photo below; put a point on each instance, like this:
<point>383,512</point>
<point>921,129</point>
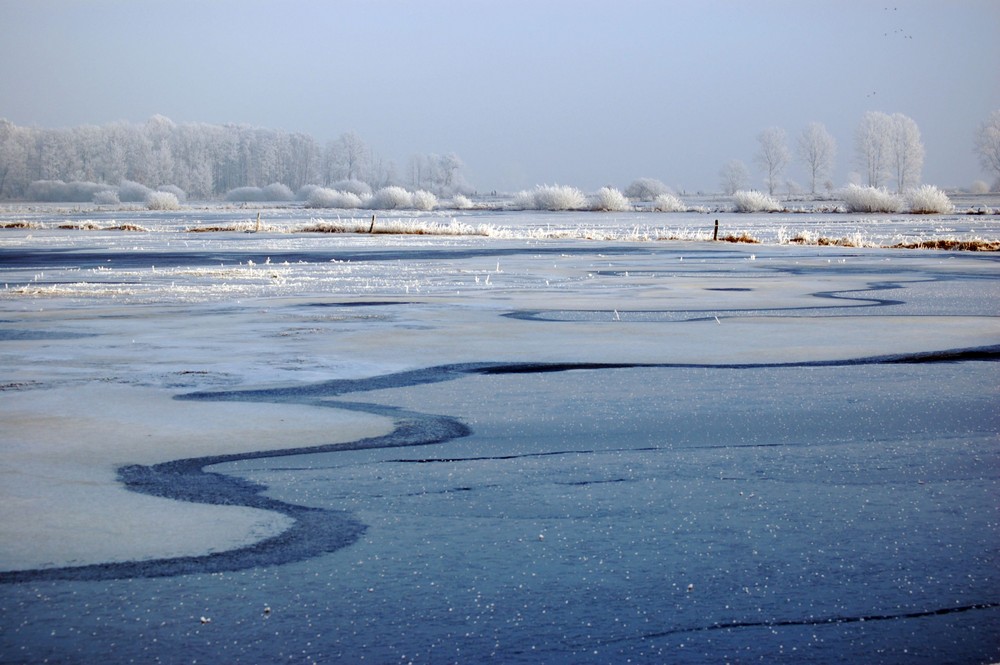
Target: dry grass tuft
<point>954,245</point>
<point>84,226</point>
<point>232,228</point>
<point>126,227</point>
<point>743,237</point>
<point>823,241</point>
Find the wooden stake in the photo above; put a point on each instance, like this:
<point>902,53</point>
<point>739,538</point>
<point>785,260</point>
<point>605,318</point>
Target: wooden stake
<point>371,229</point>
<point>715,236</point>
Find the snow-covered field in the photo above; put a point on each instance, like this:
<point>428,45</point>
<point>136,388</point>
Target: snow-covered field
<point>517,436</point>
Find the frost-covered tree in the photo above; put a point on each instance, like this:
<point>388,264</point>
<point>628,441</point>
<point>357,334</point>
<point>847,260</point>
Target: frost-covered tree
<point>906,152</point>
<point>13,159</point>
<point>734,176</point>
<point>350,153</point>
<point>450,165</point>
<point>871,146</point>
<point>772,156</point>
<point>817,150</point>
<point>437,173</point>
<point>206,161</point>
<point>988,146</point>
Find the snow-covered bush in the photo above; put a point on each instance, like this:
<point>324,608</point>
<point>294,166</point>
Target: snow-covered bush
<point>424,200</point>
<point>551,197</point>
<point>130,191</point>
<point>391,198</point>
<point>928,199</point>
<point>668,203</point>
<point>753,201</point>
<point>353,186</point>
<point>162,201</point>
<point>277,192</point>
<point>106,197</point>
<point>871,199</point>
<point>646,189</point>
<point>611,200</point>
<point>245,195</point>
<point>176,191</point>
<point>322,197</point>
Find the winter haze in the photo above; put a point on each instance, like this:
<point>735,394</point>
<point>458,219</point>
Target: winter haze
<point>584,93</point>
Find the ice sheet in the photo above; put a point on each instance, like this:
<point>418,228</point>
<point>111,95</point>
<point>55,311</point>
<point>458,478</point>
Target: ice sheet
<point>112,347</point>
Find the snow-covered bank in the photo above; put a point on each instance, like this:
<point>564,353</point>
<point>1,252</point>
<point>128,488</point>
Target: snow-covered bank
<point>801,225</point>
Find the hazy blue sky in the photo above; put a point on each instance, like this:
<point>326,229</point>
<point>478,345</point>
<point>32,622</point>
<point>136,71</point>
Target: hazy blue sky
<point>583,92</point>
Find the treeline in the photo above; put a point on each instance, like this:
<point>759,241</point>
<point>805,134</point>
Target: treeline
<point>200,160</point>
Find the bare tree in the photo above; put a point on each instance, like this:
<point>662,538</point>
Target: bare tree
<point>772,156</point>
<point>906,152</point>
<point>734,176</point>
<point>871,145</point>
<point>988,146</point>
<point>817,150</point>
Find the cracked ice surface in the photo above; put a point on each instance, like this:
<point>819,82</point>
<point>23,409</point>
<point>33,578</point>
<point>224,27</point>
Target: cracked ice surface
<point>573,517</point>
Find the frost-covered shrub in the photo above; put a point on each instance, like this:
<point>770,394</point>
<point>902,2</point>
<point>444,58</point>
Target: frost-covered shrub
<point>424,200</point>
<point>551,197</point>
<point>391,198</point>
<point>322,197</point>
<point>305,191</point>
<point>176,191</point>
<point>130,191</point>
<point>753,201</point>
<point>871,199</point>
<point>353,186</point>
<point>46,190</point>
<point>245,195</point>
<point>979,187</point>
<point>668,203</point>
<point>611,200</point>
<point>461,202</point>
<point>277,192</point>
<point>646,189</point>
<point>106,197</point>
<point>162,201</point>
<point>57,191</point>
<point>928,199</point>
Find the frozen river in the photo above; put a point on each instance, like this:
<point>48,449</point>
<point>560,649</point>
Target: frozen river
<point>518,447</point>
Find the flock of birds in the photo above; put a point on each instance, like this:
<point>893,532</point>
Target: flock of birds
<point>897,32</point>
